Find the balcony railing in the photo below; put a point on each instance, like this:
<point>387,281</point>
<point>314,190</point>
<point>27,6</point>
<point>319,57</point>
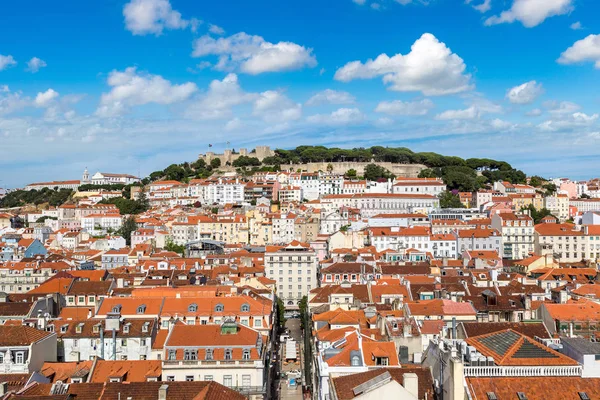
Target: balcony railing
<point>212,363</point>
<point>503,371</point>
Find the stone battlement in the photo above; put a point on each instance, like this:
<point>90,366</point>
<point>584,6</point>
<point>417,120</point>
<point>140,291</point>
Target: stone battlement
<point>228,156</point>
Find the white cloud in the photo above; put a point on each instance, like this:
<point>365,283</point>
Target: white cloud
<point>45,99</point>
<point>575,120</point>
<point>218,101</point>
<point>468,113</point>
<point>234,125</point>
<point>525,93</point>
<point>587,49</point>
<point>564,107</point>
<point>130,88</point>
<point>329,96</point>
<point>35,64</point>
<point>342,116</point>
<point>501,125</point>
<point>153,16</point>
<point>12,102</point>
<point>253,55</point>
<point>7,62</point>
<point>576,26</point>
<point>430,68</point>
<point>536,112</point>
<point>481,7</point>
<point>359,2</point>
<point>398,107</point>
<point>531,12</point>
<point>275,107</point>
<point>217,30</point>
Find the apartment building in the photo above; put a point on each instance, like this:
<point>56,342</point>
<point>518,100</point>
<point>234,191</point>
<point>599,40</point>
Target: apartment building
<point>294,268</point>
<point>517,234</point>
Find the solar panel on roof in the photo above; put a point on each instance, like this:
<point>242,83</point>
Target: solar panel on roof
<point>583,396</point>
<point>492,396</point>
<point>500,342</point>
<point>529,350</point>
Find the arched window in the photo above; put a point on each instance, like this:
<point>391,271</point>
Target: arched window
<point>193,307</point>
<point>116,308</point>
<point>246,354</point>
<point>355,362</point>
<point>245,307</point>
<point>141,309</point>
<point>219,307</point>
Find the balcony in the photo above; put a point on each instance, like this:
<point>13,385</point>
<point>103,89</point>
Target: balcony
<point>499,371</point>
<point>211,364</point>
<point>10,368</point>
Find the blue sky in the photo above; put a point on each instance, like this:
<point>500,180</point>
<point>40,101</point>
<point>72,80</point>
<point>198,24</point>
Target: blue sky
<point>132,86</point>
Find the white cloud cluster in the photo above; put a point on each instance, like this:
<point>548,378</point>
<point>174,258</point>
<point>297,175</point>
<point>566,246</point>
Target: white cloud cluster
<point>479,107</point>
<point>587,49</point>
<point>525,93</point>
<point>217,30</point>
<point>45,99</point>
<point>6,62</point>
<point>329,96</point>
<point>341,116</point>
<point>398,107</point>
<point>219,99</point>
<point>531,12</point>
<point>144,17</point>
<point>35,64</point>
<point>576,26</point>
<point>275,107</point>
<point>564,107</point>
<point>430,68</point>
<point>481,7</point>
<point>252,54</point>
<point>576,120</point>
<point>130,88</point>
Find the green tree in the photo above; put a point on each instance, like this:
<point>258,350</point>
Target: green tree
<point>215,163</point>
<point>170,245</point>
<point>374,172</point>
<point>351,174</point>
<point>537,215</point>
<point>450,200</point>
<point>303,305</point>
<point>129,226</point>
<point>536,181</point>
<point>280,312</point>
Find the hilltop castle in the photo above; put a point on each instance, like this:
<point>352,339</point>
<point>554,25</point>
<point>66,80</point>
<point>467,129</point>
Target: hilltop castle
<point>228,156</point>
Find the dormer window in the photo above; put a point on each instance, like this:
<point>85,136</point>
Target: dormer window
<point>117,308</point>
<point>141,309</point>
<point>190,355</point>
<point>193,307</point>
<point>209,354</point>
<point>228,354</point>
<point>64,328</point>
<point>355,361</point>
<point>219,307</point>
<point>246,354</point>
<point>145,327</point>
<point>245,307</point>
<point>126,328</point>
<point>96,328</point>
<point>79,328</point>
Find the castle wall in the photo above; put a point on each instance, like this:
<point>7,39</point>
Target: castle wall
<point>401,170</point>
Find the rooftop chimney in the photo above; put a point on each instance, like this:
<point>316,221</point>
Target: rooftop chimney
<point>162,392</point>
<point>410,381</point>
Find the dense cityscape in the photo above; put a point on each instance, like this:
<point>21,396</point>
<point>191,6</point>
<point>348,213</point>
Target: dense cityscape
<point>270,274</point>
<point>300,200</point>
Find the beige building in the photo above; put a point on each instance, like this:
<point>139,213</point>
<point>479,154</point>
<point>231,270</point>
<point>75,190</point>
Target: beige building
<point>294,269</point>
<point>558,205</point>
<point>517,234</point>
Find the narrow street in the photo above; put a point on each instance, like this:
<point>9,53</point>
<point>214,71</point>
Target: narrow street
<point>291,372</point>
